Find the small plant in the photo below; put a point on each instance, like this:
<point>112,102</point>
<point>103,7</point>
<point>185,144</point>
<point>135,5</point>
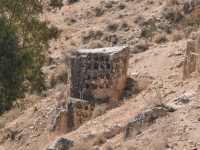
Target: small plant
<point>149,29</point>
<point>190,22</point>
<point>10,66</point>
<point>53,32</point>
<point>23,44</point>
<point>56,4</point>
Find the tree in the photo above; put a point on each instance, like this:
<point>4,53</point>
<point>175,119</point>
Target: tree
<point>10,66</point>
<point>23,44</point>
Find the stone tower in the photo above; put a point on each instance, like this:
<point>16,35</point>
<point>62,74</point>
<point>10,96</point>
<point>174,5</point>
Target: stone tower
<point>99,75</point>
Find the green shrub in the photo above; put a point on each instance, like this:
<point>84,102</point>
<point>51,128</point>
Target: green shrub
<point>190,21</point>
<point>189,24</point>
<point>149,29</point>
<point>23,44</point>
<point>10,66</point>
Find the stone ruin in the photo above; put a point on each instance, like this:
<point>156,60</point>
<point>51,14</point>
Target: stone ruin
<point>96,76</point>
<point>99,75</point>
<point>191,63</point>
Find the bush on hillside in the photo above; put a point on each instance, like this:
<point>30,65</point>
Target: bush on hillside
<point>10,66</point>
<point>23,44</point>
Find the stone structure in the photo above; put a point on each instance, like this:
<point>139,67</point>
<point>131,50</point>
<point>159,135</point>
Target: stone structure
<point>192,58</point>
<point>61,144</point>
<point>99,75</point>
<point>79,111</point>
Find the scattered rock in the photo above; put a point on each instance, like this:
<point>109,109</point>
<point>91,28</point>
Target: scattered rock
<point>99,11</point>
<point>146,119</point>
<point>124,27</point>
<point>108,3</point>
<point>61,144</point>
<point>11,134</point>
<point>112,27</point>
<point>185,98</point>
<point>190,5</point>
<point>70,20</point>
<point>140,20</point>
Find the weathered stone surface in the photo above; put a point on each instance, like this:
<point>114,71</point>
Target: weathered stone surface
<point>99,75</point>
<point>190,5</point>
<point>79,111</point>
<point>130,89</point>
<point>145,119</point>
<point>61,144</point>
<point>192,58</point>
<point>185,98</point>
<point>59,122</point>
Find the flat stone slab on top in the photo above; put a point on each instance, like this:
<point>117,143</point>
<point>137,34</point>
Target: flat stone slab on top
<point>107,50</point>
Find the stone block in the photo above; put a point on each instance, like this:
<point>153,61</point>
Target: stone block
<point>79,111</point>
<point>99,75</point>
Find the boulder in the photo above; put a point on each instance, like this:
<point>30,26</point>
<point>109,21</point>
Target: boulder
<point>61,144</point>
<point>145,119</point>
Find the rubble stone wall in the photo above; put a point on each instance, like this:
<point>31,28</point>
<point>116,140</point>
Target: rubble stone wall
<point>99,75</point>
<point>192,58</point>
<point>79,111</point>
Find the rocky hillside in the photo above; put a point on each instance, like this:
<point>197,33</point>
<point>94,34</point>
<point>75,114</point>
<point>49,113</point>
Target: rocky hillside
<point>164,113</point>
